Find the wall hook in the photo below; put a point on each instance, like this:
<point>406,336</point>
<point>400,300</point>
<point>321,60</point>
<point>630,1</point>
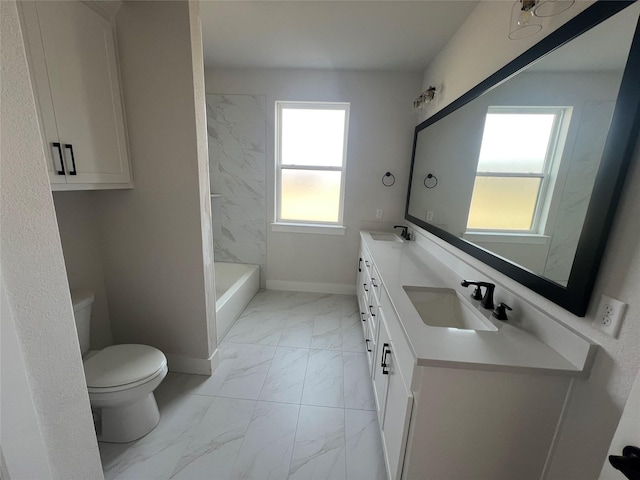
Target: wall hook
<point>433,182</point>
<point>391,181</point>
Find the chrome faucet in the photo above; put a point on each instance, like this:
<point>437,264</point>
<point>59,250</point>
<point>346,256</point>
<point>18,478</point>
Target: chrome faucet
<point>487,300</point>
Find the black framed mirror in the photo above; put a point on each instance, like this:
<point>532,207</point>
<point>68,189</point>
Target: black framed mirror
<point>529,164</point>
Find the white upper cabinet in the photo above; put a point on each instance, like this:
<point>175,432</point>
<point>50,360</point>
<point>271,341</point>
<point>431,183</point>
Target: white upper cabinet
<point>73,62</point>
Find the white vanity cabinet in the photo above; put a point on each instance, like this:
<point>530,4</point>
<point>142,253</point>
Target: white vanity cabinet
<point>72,58</point>
<point>394,400</point>
<point>442,417</point>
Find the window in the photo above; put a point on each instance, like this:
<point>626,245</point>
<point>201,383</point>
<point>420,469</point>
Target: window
<point>516,159</point>
<point>311,151</point>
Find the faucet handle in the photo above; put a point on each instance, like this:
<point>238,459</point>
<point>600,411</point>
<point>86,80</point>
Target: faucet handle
<point>405,231</point>
<point>501,311</point>
<point>477,292</point>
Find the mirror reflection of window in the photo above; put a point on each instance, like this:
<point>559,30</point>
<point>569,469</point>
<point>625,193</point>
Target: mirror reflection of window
<point>518,155</point>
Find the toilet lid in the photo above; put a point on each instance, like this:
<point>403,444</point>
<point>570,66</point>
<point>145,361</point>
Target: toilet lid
<point>122,364</point>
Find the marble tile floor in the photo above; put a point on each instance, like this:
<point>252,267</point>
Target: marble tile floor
<point>291,399</point>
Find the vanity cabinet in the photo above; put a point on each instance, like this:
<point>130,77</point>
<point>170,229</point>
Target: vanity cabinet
<point>72,58</point>
<point>393,401</point>
<point>442,418</point>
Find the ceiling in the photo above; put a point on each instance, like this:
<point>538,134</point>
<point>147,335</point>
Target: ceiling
<point>343,35</point>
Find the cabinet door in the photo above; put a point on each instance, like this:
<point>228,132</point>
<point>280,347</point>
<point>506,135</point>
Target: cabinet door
<point>395,425</point>
<point>394,401</point>
<point>42,93</point>
<point>380,379</point>
<point>81,67</point>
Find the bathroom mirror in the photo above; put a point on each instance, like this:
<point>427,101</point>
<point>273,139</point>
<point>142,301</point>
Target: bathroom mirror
<point>525,170</point>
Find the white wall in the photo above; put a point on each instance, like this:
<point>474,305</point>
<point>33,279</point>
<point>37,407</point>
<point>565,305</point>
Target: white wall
<point>156,238</point>
<point>36,283</point>
<point>79,226</point>
<point>380,136</point>
<point>478,49</point>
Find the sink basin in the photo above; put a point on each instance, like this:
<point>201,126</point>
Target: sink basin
<point>444,307</point>
<point>385,237</point>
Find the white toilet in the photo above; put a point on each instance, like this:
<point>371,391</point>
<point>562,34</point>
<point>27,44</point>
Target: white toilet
<point>120,379</point>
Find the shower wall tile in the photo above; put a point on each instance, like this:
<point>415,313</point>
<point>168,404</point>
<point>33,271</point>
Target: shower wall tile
<point>237,165</point>
<point>241,160</point>
<point>592,135</point>
<point>237,108</point>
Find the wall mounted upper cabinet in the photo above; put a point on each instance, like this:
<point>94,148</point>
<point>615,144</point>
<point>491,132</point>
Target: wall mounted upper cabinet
<point>75,76</point>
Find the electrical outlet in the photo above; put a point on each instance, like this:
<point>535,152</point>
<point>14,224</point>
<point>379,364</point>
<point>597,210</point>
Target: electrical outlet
<point>609,315</point>
<point>429,216</point>
<point>379,214</point>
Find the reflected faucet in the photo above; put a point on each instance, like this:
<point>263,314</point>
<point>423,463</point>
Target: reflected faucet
<point>487,300</point>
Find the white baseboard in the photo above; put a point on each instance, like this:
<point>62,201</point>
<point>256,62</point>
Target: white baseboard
<point>197,366</point>
<point>339,288</point>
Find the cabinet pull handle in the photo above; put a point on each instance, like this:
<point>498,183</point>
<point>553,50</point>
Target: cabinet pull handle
<point>57,145</point>
<point>366,262</point>
<point>360,264</point>
<point>365,287</point>
<point>367,340</point>
<point>73,159</point>
<point>373,282</point>
<point>372,314</point>
<point>363,316</point>
<point>383,363</point>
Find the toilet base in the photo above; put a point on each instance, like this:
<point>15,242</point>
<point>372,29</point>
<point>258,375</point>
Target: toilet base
<point>126,423</point>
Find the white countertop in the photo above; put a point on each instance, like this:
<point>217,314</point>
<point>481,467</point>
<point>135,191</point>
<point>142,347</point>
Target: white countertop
<point>508,348</point>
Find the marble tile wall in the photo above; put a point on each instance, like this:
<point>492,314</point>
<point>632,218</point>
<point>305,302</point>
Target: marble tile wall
<point>592,134</point>
<point>237,167</point>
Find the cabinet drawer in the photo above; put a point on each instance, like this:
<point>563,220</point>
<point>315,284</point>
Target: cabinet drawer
<point>375,284</point>
<point>372,311</point>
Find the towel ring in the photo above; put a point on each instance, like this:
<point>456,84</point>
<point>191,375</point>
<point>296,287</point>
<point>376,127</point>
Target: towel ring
<point>428,177</point>
<point>388,183</point>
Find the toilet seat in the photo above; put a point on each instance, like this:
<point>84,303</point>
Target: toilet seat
<point>121,367</point>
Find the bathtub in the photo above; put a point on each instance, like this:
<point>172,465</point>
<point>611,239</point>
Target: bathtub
<point>236,284</point>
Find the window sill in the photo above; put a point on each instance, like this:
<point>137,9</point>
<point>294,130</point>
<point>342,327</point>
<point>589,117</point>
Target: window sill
<point>493,237</point>
<point>308,228</point>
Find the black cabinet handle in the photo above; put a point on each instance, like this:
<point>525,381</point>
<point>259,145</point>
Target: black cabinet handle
<point>73,159</point>
<point>372,314</point>
<point>363,316</point>
<point>373,282</point>
<point>360,264</point>
<point>365,287</point>
<point>383,363</point>
<point>366,262</point>
<point>367,340</point>
<point>57,145</point>
<point>628,463</point>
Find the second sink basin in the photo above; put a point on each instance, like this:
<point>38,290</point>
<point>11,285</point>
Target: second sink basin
<point>385,237</point>
<point>444,307</point>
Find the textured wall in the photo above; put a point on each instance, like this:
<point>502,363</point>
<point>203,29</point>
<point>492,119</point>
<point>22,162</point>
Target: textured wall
<point>34,276</point>
<point>478,49</point>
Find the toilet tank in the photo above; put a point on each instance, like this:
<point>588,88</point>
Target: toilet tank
<point>82,301</point>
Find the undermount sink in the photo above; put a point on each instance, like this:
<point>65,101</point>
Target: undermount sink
<point>444,307</point>
<point>385,237</point>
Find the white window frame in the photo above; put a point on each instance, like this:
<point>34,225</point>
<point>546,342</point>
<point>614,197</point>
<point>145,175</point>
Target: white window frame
<point>286,225</point>
<point>551,161</point>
